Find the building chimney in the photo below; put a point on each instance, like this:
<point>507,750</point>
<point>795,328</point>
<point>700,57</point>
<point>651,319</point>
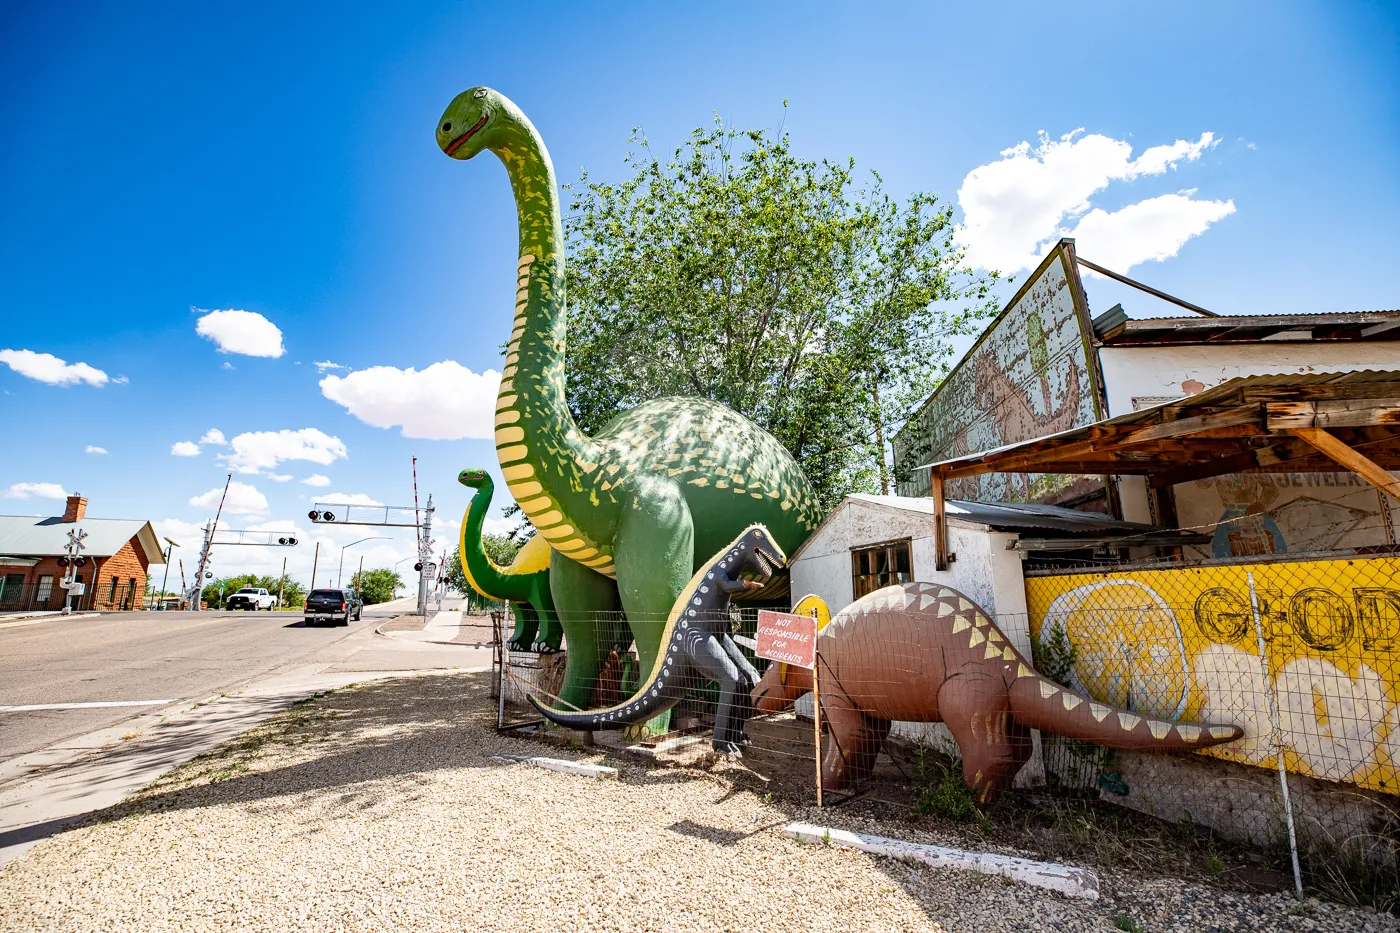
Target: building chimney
<point>77,508</point>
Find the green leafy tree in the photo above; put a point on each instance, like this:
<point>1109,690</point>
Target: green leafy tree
<point>376,586</point>
<point>793,291</point>
<point>293,593</point>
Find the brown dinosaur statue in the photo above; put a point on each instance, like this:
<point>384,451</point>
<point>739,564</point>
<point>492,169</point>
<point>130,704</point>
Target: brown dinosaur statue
<point>921,652</point>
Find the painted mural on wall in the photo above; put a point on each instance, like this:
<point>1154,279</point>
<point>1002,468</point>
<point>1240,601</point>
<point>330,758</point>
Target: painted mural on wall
<point>1185,644</point>
<point>1285,513</point>
<point>1028,376</point>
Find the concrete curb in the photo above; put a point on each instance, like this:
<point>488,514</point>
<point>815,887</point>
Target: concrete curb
<point>1064,879</point>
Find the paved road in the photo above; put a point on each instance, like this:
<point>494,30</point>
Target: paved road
<point>142,656</point>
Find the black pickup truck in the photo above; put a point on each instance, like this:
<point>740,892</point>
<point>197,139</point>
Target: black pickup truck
<point>338,606</point>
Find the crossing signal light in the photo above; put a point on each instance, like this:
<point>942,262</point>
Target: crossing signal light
<point>63,562</point>
<point>418,566</point>
<point>80,562</point>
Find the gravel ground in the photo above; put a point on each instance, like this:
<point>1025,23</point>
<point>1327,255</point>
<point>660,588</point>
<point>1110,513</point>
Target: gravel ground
<point>377,807</point>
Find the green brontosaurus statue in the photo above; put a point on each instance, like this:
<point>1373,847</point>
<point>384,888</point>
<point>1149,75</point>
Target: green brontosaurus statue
<point>524,584</point>
<point>631,512</point>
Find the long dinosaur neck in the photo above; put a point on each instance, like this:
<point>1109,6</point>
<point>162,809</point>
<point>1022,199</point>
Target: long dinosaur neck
<point>481,572</point>
<point>544,457</point>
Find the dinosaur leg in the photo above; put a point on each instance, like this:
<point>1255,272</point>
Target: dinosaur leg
<point>525,623</point>
<point>586,606</point>
<point>654,551</point>
<point>852,742</point>
<point>748,673</point>
<point>993,745</point>
<point>550,633</point>
<point>714,662</point>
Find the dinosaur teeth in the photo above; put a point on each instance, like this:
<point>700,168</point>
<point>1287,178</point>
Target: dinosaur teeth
<point>1188,732</point>
<point>1158,729</point>
<point>1047,689</point>
<point>1128,722</point>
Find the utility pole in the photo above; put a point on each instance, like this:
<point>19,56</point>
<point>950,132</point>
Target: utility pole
<point>314,562</point>
<point>281,584</point>
<point>359,581</point>
<point>196,593</point>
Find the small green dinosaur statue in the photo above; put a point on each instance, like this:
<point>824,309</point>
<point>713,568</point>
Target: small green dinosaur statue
<point>630,512</point>
<point>524,584</point>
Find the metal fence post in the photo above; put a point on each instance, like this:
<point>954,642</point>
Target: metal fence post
<point>1277,737</point>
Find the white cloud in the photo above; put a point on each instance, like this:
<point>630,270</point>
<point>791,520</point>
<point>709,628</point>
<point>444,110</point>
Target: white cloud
<point>347,498</point>
<point>185,449</point>
<point>244,332</point>
<point>1153,229</point>
<point>262,450</point>
<point>242,499</point>
<point>227,365</point>
<point>48,368</point>
<point>34,491</point>
<point>317,479</point>
<point>121,380</point>
<point>445,401</point>
<point>1014,209</point>
<point>213,436</point>
<point>279,477</point>
<point>325,365</point>
<point>92,449</point>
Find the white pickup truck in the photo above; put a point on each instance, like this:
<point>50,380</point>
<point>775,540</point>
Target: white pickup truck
<point>252,599</point>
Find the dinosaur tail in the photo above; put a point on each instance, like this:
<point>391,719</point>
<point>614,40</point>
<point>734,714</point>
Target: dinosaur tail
<point>641,707</point>
<point>1042,704</point>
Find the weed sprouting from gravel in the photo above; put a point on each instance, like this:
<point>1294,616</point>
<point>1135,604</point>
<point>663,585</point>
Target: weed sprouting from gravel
<point>1126,924</point>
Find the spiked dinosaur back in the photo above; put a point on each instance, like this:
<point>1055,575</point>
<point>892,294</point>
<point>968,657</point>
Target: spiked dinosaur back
<point>921,652</point>
<point>699,613</point>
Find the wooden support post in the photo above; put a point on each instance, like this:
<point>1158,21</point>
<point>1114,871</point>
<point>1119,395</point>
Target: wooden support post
<point>817,716</point>
<point>1351,458</point>
<point>940,521</point>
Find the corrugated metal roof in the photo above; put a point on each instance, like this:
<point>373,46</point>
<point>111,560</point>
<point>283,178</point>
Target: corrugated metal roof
<point>1010,516</point>
<point>37,536</point>
<point>1327,327</point>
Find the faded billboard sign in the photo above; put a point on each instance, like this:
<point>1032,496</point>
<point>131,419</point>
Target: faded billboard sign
<point>1029,375</point>
<point>1257,514</point>
<point>1186,643</point>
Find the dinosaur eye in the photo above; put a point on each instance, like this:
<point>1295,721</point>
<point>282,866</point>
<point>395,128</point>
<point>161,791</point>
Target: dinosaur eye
<point>447,127</point>
<point>479,92</point>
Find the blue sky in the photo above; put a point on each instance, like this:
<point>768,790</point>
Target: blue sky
<point>164,161</point>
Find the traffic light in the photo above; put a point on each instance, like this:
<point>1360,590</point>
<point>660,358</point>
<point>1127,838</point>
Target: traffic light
<point>314,515</point>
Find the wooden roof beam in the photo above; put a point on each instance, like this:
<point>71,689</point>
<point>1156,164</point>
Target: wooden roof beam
<point>1334,413</point>
<point>1351,458</point>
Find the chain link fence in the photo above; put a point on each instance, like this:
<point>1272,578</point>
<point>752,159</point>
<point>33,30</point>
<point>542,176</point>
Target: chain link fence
<point>1301,654</point>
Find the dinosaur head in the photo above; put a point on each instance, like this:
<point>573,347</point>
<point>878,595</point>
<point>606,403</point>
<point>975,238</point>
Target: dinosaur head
<point>474,477</point>
<point>780,686</point>
<point>471,122</point>
<point>759,554</point>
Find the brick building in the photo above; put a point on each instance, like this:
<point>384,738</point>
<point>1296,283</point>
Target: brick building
<point>118,553</point>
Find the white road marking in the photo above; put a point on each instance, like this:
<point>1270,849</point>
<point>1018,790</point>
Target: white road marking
<point>39,706</point>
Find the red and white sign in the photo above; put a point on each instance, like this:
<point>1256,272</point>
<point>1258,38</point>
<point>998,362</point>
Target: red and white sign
<point>786,637</point>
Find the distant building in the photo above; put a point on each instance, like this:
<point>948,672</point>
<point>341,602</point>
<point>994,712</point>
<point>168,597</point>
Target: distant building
<point>118,553</point>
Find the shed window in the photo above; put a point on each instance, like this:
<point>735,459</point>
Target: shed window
<point>879,566</point>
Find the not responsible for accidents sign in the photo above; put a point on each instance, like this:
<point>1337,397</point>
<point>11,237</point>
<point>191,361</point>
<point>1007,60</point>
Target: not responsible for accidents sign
<point>786,637</point>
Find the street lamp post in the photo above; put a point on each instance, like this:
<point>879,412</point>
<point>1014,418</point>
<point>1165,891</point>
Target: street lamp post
<point>170,546</point>
<point>339,575</point>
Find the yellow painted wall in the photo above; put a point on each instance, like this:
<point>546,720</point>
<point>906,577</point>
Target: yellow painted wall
<point>1183,643</point>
